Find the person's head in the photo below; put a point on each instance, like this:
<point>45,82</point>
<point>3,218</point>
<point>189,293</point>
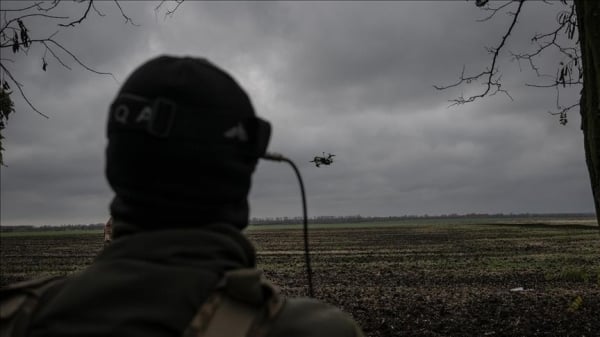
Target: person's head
<point>183,142</point>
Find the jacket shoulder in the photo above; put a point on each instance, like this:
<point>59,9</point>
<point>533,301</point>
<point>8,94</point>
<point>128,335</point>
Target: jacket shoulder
<point>19,301</point>
<point>306,317</point>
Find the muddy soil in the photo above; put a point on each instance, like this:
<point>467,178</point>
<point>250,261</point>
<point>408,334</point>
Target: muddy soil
<point>463,280</point>
<point>448,281</point>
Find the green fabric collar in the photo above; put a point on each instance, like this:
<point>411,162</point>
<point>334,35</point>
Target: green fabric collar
<point>219,244</point>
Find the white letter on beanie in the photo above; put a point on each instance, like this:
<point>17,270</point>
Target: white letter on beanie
<point>144,115</point>
<point>121,113</point>
<point>238,132</point>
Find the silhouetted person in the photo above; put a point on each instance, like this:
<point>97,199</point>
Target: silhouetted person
<point>183,142</point>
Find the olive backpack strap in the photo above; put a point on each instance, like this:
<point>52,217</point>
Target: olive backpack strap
<point>18,302</point>
<point>243,305</point>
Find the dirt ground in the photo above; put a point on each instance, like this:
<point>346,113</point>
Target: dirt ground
<point>448,280</point>
<point>406,280</point>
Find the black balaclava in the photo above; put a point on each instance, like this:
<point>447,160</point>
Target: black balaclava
<point>183,142</point>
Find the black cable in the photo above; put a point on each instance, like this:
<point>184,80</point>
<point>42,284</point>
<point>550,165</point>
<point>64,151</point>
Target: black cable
<point>279,157</point>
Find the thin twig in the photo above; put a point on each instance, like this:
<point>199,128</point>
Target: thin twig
<point>19,86</point>
<point>52,6</point>
<point>564,110</point>
<point>127,18</point>
<point>545,41</point>
<point>29,15</point>
<point>22,9</point>
<point>159,5</point>
<point>78,61</point>
<point>72,24</point>
<point>10,44</point>
<point>56,56</point>
<point>490,72</point>
<point>9,26</point>
<point>494,11</point>
<point>97,11</point>
<point>170,12</point>
<point>46,40</point>
<point>557,84</point>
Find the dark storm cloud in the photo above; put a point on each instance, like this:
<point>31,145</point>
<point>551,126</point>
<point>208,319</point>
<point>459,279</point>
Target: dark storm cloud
<point>382,54</point>
<point>352,78</point>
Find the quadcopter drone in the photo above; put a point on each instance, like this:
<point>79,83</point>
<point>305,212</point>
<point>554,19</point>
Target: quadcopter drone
<point>325,160</point>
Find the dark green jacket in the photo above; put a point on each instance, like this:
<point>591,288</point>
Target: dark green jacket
<point>153,283</point>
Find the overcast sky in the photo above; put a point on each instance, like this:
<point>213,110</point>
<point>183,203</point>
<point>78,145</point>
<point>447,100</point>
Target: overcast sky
<point>354,79</point>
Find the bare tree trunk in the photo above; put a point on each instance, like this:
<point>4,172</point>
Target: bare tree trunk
<point>588,17</point>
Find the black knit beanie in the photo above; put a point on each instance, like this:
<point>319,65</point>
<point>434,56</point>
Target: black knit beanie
<point>183,142</point>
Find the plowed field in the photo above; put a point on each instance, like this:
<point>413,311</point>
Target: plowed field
<point>404,280</point>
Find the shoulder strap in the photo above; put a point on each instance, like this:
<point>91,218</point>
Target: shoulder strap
<point>242,305</point>
<point>18,302</point>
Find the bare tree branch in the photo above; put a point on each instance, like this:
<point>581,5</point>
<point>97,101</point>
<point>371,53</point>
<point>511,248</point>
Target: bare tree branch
<point>539,39</point>
<point>55,56</point>
<point>20,87</point>
<point>97,11</point>
<point>30,15</point>
<point>9,45</point>
<point>35,5</point>
<point>52,6</point>
<point>491,82</point>
<point>159,5</point>
<point>78,61</point>
<point>568,22</point>
<point>72,24</point>
<point>494,11</point>
<point>22,42</point>
<point>552,85</point>
<point>569,72</point>
<point>169,12</point>
<point>562,112</point>
<point>14,34</point>
<point>127,18</point>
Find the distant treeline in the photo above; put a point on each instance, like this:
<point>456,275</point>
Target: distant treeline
<point>50,228</point>
<point>358,218</point>
<point>329,219</point>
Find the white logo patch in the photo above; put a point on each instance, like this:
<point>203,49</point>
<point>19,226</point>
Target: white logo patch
<point>238,132</point>
<point>144,115</point>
